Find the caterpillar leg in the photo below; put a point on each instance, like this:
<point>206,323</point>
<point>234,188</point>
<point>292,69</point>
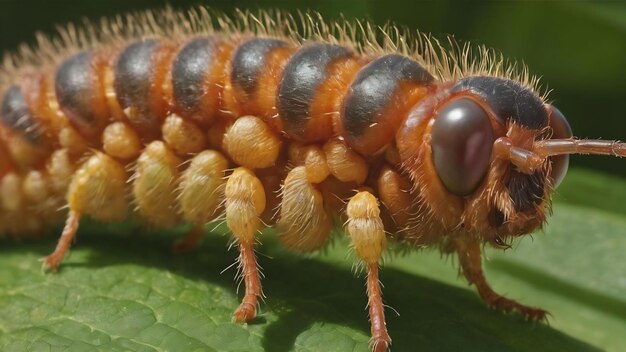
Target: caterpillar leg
<point>245,201</point>
<point>201,195</point>
<point>367,234</point>
<point>98,189</point>
<point>190,242</point>
<point>155,185</point>
<point>52,261</point>
<point>304,224</point>
<point>471,265</point>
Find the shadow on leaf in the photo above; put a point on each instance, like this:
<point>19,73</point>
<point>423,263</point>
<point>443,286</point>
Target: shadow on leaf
<point>310,297</point>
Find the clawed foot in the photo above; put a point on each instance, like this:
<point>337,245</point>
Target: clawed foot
<point>506,305</point>
<point>244,313</point>
<point>51,262</point>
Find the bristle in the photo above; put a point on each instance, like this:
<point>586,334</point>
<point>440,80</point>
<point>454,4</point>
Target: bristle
<point>448,60</point>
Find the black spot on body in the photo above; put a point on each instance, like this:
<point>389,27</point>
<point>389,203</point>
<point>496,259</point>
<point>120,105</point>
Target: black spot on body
<point>133,74</point>
<point>189,71</point>
<point>249,60</point>
<point>75,88</point>
<point>16,115</point>
<point>375,86</point>
<point>303,74</point>
<point>508,100</point>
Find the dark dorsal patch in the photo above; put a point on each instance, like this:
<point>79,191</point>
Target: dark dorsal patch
<point>133,75</point>
<point>526,191</point>
<point>189,71</point>
<point>304,73</point>
<point>76,87</point>
<point>249,60</point>
<point>374,88</point>
<point>508,100</point>
<point>16,115</point>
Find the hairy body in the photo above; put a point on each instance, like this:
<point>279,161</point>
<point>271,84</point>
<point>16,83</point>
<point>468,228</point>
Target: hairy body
<point>192,123</point>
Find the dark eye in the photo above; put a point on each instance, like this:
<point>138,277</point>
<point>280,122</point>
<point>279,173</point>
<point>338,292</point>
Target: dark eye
<point>462,138</point>
<point>560,130</point>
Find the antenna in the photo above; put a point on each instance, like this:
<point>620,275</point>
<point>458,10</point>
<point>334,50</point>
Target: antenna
<point>552,147</point>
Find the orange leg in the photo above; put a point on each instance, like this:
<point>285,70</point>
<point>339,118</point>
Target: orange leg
<point>252,280</point>
<point>190,242</point>
<point>245,202</point>
<point>52,261</point>
<point>380,338</point>
<point>367,234</point>
<point>471,265</point>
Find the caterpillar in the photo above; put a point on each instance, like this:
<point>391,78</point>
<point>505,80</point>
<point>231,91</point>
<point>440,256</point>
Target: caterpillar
<point>190,117</point>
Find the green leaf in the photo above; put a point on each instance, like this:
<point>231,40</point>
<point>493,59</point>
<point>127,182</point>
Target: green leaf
<point>124,291</point>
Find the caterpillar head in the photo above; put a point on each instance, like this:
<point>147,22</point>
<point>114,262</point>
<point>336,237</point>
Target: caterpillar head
<point>494,152</point>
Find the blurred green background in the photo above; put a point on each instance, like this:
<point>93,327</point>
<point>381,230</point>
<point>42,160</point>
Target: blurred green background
<point>578,48</point>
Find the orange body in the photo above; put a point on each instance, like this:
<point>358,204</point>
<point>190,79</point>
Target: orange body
<point>428,148</point>
<point>119,131</point>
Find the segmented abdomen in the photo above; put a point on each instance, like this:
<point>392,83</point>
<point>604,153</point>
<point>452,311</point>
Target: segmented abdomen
<point>188,94</point>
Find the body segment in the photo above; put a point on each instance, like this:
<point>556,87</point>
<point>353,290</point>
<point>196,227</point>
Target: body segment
<point>191,128</point>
